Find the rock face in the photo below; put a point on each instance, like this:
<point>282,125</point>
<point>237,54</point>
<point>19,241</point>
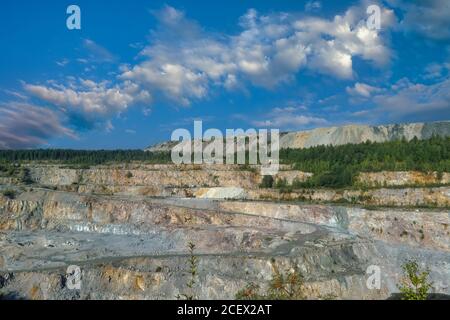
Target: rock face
<point>402,178</point>
<point>350,134</point>
<point>231,182</point>
<point>361,133</point>
<point>127,229</point>
<point>135,248</point>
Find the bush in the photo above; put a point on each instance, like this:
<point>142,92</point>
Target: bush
<point>281,183</point>
<point>129,175</point>
<point>11,194</point>
<point>25,176</point>
<point>267,182</point>
<point>415,284</point>
<point>283,286</point>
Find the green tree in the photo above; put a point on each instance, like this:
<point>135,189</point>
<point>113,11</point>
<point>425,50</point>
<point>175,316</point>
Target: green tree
<point>415,284</point>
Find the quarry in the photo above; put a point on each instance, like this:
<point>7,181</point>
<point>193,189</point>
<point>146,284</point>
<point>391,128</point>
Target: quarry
<point>135,229</point>
<point>127,228</point>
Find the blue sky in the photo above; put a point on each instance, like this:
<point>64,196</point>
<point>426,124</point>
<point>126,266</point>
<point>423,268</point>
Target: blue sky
<point>137,70</point>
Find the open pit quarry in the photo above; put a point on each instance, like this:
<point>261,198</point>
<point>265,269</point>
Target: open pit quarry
<point>127,228</point>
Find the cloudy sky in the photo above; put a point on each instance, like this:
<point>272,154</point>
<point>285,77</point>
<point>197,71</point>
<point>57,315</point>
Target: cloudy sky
<point>137,70</point>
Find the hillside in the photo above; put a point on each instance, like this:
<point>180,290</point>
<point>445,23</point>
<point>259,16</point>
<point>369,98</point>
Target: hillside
<point>349,134</point>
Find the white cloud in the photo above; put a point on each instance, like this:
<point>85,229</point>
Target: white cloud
<point>97,53</point>
<point>184,62</point>
<point>362,90</point>
<point>408,100</point>
<point>313,6</point>
<point>94,101</point>
<point>436,70</point>
<point>288,118</point>
<point>63,62</point>
<point>415,98</point>
<point>25,126</point>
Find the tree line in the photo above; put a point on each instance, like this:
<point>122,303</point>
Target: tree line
<point>333,166</point>
<point>83,157</point>
<point>336,166</point>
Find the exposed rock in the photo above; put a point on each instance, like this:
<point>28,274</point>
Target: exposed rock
<point>128,233</point>
<point>349,134</point>
<point>402,178</point>
<point>221,193</point>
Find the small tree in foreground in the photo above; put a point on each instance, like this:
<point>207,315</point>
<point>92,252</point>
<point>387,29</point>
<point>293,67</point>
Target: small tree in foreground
<point>415,284</point>
<point>193,266</point>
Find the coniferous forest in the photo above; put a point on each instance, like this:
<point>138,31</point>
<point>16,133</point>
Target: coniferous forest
<point>333,166</point>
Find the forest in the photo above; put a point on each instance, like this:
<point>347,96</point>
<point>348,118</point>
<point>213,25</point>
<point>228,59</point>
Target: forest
<point>83,157</point>
<point>333,166</point>
<point>336,166</point>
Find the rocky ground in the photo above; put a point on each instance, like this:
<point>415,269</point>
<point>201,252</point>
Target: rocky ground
<point>128,228</point>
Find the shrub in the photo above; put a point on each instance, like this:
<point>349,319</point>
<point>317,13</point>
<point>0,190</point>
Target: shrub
<point>415,284</point>
<point>267,182</point>
<point>129,175</point>
<point>11,194</point>
<point>282,286</point>
<point>25,176</point>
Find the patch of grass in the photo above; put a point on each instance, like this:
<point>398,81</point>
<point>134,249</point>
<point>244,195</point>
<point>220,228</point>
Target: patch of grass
<point>286,285</point>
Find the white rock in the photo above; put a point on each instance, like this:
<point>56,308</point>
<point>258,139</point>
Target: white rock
<point>221,193</point>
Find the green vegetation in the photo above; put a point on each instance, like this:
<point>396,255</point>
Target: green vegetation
<point>336,166</point>
<point>267,182</point>
<point>8,170</point>
<point>82,157</point>
<point>193,266</point>
<point>25,176</point>
<point>11,194</point>
<point>282,286</point>
<point>332,166</point>
<point>415,284</point>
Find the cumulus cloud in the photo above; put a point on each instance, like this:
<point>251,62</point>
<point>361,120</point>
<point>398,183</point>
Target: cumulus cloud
<point>25,126</point>
<point>183,61</point>
<point>91,100</point>
<point>288,118</point>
